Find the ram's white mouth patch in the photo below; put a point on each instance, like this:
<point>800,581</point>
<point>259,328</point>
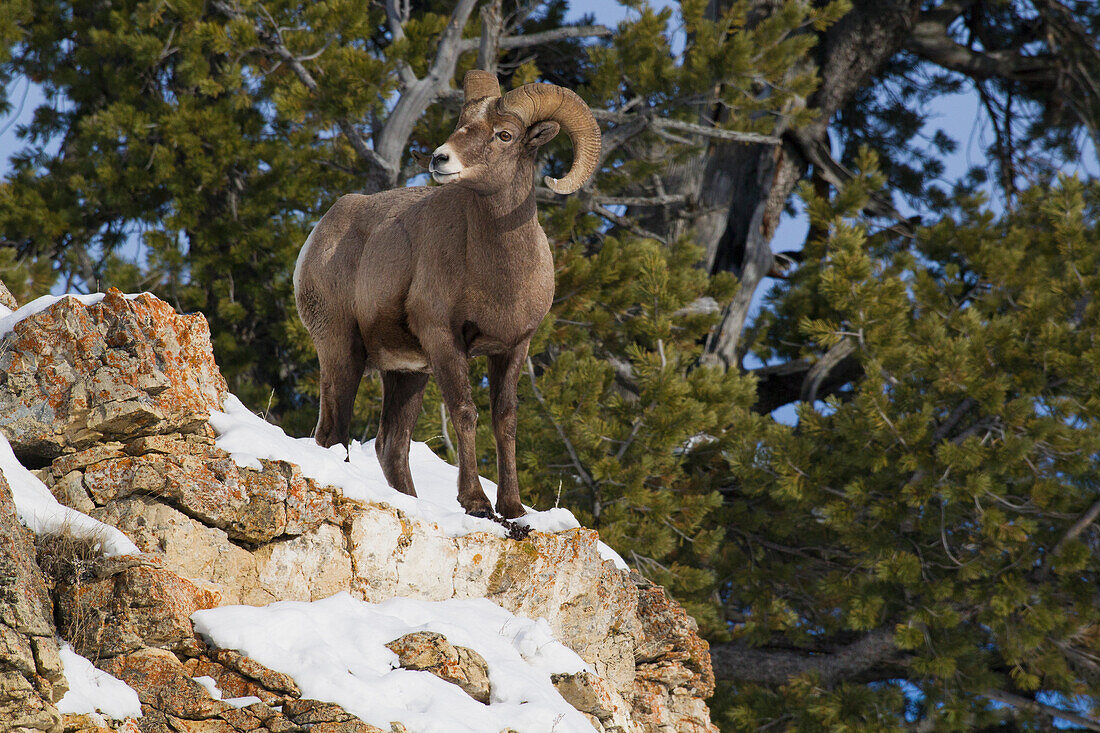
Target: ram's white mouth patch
<point>441,177</point>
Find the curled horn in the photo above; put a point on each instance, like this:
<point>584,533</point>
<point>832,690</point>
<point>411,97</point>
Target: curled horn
<point>536,102</point>
<point>477,84</point>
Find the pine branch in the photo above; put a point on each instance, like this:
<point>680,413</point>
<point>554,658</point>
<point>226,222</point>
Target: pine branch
<point>582,472</point>
<point>272,38</point>
<point>1083,522</point>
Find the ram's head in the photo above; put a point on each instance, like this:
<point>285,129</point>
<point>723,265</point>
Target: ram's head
<point>498,136</point>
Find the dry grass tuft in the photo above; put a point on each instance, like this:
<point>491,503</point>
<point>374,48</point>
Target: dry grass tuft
<point>67,559</point>
<point>69,562</point>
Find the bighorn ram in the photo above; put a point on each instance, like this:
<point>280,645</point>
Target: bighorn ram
<point>415,281</point>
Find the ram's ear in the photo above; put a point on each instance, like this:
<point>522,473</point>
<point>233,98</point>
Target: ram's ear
<point>541,133</point>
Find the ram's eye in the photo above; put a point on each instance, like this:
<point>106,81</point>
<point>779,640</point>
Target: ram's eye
<point>504,136</point>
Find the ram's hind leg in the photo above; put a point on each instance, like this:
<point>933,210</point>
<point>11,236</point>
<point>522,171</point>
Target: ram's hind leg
<point>402,395</point>
<point>342,362</point>
<point>504,370</point>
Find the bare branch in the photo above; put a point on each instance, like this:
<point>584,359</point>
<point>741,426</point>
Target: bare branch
<point>1022,702</point>
<point>821,370</point>
<point>537,39</point>
<point>665,200</point>
<point>391,140</point>
<point>1075,530</point>
<point>830,169</point>
<point>666,124</point>
<point>594,205</point>
<point>492,23</point>
<point>930,40</point>
<point>781,384</point>
<point>396,17</point>
<point>617,136</point>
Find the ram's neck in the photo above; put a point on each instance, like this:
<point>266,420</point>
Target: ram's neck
<point>507,217</point>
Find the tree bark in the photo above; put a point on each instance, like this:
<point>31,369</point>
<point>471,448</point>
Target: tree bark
<point>744,188</point>
<point>872,656</point>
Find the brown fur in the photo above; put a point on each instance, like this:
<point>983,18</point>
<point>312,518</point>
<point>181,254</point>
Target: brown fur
<point>418,280</point>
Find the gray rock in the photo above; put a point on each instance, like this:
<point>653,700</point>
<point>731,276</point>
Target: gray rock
<point>31,674</point>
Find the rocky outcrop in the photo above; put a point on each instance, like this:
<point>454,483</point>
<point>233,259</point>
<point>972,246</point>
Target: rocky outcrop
<point>111,400</point>
<point>31,673</point>
<point>72,376</point>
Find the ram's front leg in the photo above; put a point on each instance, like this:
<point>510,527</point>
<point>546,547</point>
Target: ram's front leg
<point>452,373</point>
<point>504,371</point>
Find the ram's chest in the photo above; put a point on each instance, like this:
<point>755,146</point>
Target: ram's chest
<point>501,310</point>
<point>508,309</point>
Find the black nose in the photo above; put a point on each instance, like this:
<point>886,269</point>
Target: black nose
<point>439,158</point>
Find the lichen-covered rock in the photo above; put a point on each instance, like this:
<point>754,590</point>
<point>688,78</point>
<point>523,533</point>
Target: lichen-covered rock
<point>31,673</point>
<point>73,375</point>
<point>162,684</point>
<point>250,668</point>
<point>96,723</point>
<point>587,693</point>
<point>310,712</point>
<point>6,298</point>
<point>130,604</point>
<point>190,474</point>
<point>430,652</point>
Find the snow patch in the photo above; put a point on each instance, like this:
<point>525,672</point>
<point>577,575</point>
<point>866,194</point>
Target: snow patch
<point>335,651</point>
<point>248,438</point>
<point>8,318</point>
<point>92,690</point>
<point>41,512</point>
<point>211,686</point>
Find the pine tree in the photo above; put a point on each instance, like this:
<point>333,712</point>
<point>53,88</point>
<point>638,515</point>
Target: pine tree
<point>935,542</point>
<point>919,551</point>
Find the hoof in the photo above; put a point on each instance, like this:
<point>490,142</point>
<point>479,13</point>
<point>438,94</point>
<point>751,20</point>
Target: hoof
<point>481,513</point>
<point>508,513</point>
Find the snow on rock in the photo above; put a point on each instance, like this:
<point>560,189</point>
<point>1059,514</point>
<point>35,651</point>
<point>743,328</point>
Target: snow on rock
<point>9,319</point>
<point>41,512</point>
<point>248,438</point>
<point>92,690</point>
<point>335,651</point>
